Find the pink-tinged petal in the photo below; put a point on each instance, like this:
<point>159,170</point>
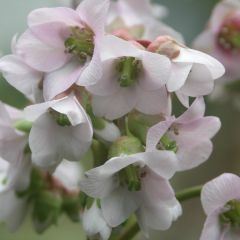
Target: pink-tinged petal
<point>59,14</point>
<point>187,55</point>
<point>99,182</point>
<point>19,74</point>
<point>205,41</point>
<point>38,55</point>
<point>114,47</point>
<point>163,163</point>
<point>195,111</point>
<point>222,10</point>
<point>219,191</point>
<point>13,210</point>
<point>153,102</point>
<point>48,140</point>
<point>156,132</point>
<point>159,207</point>
<point>212,229</point>
<point>61,79</point>
<point>191,154</point>
<point>184,99</point>
<point>14,43</point>
<point>179,75</point>
<point>52,34</point>
<point>92,72</point>
<point>108,84</point>
<point>119,205</point>
<point>94,13</point>
<point>199,82</point>
<point>116,105</point>
<point>71,107</point>
<point>155,71</point>
<point>154,29</point>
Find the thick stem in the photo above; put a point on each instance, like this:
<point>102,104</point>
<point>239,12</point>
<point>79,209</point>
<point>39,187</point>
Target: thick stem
<point>131,231</point>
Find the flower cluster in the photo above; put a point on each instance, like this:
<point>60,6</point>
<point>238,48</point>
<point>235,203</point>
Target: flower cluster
<point>101,82</point>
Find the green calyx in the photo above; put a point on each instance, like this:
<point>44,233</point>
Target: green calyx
<point>80,43</point>
<point>128,68</point>
<point>97,122</point>
<point>61,119</point>
<point>232,215</point>
<point>86,201</point>
<point>125,145</point>
<point>168,144</point>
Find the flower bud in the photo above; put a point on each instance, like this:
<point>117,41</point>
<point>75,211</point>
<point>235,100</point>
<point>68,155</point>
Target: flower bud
<point>125,146</point>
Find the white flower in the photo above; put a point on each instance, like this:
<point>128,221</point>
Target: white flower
<point>135,183</point>
<point>94,223</point>
<point>132,79</point>
<point>192,72</point>
<point>140,18</point>
<point>61,130</point>
<point>221,200</point>
<point>221,37</point>
<point>188,135</point>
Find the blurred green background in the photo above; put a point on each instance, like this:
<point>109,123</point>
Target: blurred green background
<point>188,17</point>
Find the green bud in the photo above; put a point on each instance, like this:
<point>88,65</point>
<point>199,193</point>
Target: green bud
<point>128,68</point>
<point>37,182</point>
<point>23,126</point>
<point>100,153</point>
<point>72,207</point>
<point>47,209</point>
<point>125,145</point>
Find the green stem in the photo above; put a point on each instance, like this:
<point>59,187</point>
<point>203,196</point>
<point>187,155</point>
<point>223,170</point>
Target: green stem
<point>131,231</point>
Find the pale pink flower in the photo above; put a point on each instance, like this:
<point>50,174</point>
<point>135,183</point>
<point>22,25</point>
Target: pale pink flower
<point>221,38</point>
<point>221,200</point>
<point>61,130</point>
<point>154,202</point>
<point>141,87</point>
<point>189,135</point>
<point>65,44</point>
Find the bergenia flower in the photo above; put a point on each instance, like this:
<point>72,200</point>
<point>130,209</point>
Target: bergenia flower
<point>65,44</point>
<point>20,75</point>
<point>132,79</point>
<point>221,202</point>
<point>61,130</point>
<point>221,38</point>
<point>192,73</point>
<point>135,183</point>
<point>189,135</point>
<point>139,18</point>
<point>94,223</point>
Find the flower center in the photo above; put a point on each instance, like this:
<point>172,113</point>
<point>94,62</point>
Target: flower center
<point>128,68</point>
<point>166,143</point>
<point>229,36</point>
<point>60,118</point>
<point>80,43</point>
<point>232,214</point>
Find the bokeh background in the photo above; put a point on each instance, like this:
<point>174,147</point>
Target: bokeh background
<point>189,17</point>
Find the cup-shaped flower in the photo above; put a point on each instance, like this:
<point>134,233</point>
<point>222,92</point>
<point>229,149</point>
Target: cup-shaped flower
<point>221,203</point>
<point>20,75</point>
<point>189,135</point>
<point>140,19</point>
<point>132,79</point>
<point>135,183</point>
<point>64,43</point>
<point>94,223</point>
<point>61,130</point>
<point>192,73</point>
<point>221,38</point>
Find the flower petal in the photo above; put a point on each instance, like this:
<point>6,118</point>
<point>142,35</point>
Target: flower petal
<point>219,191</point>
